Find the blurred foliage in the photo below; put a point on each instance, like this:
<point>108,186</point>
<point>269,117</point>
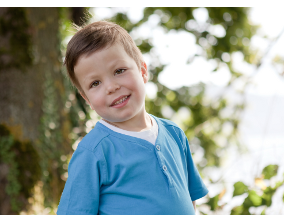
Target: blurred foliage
<point>239,188</point>
<point>213,202</point>
<point>51,138</point>
<point>270,171</point>
<point>259,195</point>
<point>22,160</point>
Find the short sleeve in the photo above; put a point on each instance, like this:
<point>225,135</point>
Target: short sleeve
<point>82,189</point>
<point>196,187</point>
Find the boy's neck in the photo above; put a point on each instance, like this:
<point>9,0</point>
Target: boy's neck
<point>135,124</point>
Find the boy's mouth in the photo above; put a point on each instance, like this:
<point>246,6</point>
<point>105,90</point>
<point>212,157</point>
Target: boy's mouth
<point>119,100</point>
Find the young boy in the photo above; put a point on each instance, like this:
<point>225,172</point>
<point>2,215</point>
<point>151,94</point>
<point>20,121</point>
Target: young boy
<point>131,162</point>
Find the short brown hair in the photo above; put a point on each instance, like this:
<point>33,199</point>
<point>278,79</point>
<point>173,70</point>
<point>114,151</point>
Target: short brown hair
<point>96,36</point>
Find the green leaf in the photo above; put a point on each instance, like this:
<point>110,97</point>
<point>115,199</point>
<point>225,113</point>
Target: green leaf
<point>237,210</point>
<point>239,188</point>
<point>263,212</point>
<point>270,171</point>
<point>254,198</point>
<point>246,211</point>
<point>213,202</point>
<point>267,196</point>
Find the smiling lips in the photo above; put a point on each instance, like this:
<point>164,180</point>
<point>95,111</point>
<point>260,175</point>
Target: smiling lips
<point>121,101</point>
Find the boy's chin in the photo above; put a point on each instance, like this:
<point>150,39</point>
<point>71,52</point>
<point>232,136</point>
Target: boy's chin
<point>114,121</point>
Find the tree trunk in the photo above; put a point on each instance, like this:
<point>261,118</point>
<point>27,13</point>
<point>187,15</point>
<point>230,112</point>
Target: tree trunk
<point>32,93</point>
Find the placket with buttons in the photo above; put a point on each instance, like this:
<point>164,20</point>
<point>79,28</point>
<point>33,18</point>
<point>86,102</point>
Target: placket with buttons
<point>163,166</point>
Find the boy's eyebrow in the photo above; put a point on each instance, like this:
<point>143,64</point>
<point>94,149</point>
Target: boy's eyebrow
<point>89,77</point>
<point>114,63</point>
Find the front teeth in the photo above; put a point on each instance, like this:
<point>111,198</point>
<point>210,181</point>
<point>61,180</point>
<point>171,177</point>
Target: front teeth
<point>121,100</point>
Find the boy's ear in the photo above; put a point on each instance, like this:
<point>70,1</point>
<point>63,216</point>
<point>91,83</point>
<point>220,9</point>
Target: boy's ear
<point>86,99</point>
<point>144,72</point>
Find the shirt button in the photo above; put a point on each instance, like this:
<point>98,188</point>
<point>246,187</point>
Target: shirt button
<point>158,147</point>
<point>164,168</point>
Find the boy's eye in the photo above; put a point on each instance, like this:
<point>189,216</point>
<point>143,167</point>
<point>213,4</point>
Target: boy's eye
<point>119,71</point>
<point>95,84</point>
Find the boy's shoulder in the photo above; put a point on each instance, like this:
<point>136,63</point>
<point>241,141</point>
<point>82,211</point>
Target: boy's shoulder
<point>94,137</point>
<point>171,126</point>
<point>167,122</point>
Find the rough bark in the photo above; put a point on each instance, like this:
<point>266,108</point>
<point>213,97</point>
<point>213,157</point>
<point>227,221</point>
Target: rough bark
<point>22,93</point>
<point>29,58</point>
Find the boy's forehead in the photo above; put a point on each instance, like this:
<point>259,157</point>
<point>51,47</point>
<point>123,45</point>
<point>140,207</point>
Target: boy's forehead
<point>114,51</point>
<point>98,51</point>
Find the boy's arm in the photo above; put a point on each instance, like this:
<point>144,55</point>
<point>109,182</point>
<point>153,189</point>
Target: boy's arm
<point>196,187</point>
<point>82,189</point>
<point>194,205</point>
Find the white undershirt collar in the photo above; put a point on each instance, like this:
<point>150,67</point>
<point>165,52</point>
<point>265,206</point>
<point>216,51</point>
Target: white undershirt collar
<point>149,135</point>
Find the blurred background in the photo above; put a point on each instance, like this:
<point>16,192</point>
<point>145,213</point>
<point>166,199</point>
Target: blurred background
<point>216,72</point>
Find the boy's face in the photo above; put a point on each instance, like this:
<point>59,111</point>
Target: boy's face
<point>112,83</point>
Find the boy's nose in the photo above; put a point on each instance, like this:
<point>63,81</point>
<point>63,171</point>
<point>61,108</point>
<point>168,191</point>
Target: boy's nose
<point>112,87</point>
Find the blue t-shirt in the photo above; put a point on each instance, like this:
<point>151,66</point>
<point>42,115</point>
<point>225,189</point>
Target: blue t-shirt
<point>113,173</point>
